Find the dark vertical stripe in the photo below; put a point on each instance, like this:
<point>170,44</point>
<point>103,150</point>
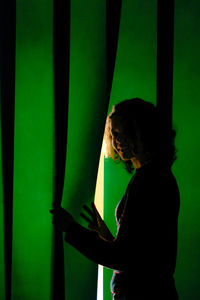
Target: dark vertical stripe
<point>113,15</point>
<point>165,45</point>
<point>7,69</point>
<point>61,92</point>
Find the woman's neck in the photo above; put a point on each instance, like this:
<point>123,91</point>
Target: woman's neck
<point>143,160</point>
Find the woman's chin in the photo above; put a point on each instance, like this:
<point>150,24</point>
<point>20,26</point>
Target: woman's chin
<point>124,157</point>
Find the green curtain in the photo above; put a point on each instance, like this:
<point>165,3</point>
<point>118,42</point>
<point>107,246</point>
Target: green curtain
<point>87,111</point>
<point>89,97</point>
<point>186,119</point>
<point>92,56</point>
<point>33,152</point>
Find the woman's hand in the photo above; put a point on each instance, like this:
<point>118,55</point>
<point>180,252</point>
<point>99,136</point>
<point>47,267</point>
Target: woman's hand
<point>96,223</point>
<point>61,218</point>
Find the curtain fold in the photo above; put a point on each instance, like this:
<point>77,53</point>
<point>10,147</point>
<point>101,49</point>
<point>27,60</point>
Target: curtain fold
<point>165,53</point>
<point>92,61</point>
<point>33,151</point>
<point>7,98</point>
<point>49,83</point>
<point>61,47</point>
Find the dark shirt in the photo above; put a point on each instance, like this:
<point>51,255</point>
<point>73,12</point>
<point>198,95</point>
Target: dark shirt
<point>143,254</point>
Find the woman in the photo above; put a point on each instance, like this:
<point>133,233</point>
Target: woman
<point>143,253</point>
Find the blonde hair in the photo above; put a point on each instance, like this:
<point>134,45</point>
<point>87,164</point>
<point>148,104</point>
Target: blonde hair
<point>109,151</point>
<point>143,117</point>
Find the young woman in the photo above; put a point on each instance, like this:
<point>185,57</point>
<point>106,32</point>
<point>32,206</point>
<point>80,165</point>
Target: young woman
<point>143,253</point>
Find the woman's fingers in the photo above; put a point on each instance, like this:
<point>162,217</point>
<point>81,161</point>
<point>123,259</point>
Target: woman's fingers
<point>61,218</point>
<point>86,218</point>
<point>99,219</point>
<point>93,228</point>
<point>56,210</point>
<point>59,210</point>
<point>62,214</point>
<point>91,213</point>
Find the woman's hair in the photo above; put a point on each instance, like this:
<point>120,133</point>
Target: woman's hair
<point>141,117</point>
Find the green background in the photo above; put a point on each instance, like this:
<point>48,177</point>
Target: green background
<point>135,76</point>
<point>186,119</point>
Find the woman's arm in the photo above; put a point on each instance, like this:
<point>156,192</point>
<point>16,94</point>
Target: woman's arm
<point>90,243</point>
<point>96,223</point>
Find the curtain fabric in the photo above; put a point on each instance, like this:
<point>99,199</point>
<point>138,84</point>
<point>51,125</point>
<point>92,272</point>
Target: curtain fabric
<point>57,63</point>
<point>62,67</point>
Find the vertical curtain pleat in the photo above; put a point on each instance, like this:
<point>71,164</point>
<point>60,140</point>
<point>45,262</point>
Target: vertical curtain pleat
<point>88,103</point>
<point>33,151</point>
<point>7,89</point>
<point>61,93</point>
<point>186,118</point>
<point>113,15</point>
<point>165,48</point>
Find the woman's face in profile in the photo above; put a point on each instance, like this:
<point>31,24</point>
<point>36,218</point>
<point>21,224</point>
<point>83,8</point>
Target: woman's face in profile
<point>120,142</point>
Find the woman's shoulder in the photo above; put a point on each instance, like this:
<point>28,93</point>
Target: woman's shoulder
<point>153,179</point>
<point>154,170</point>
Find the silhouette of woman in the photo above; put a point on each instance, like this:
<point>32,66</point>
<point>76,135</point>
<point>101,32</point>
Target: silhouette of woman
<point>143,253</point>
